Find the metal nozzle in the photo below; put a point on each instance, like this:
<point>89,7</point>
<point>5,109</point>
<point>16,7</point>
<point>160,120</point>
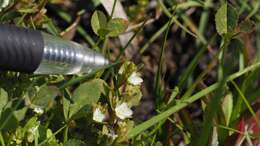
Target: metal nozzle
<point>32,51</point>
<point>65,57</point>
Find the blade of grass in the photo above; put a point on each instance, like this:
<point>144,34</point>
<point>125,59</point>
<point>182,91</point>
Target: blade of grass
<point>248,82</point>
<point>131,39</point>
<point>167,13</point>
<point>57,132</point>
<point>184,76</point>
<point>234,130</point>
<point>193,28</point>
<point>246,102</point>
<point>160,64</point>
<point>199,79</point>
<point>188,4</point>
<point>154,37</point>
<point>113,9</point>
<point>211,111</point>
<point>204,19</point>
<point>213,106</point>
<point>147,124</point>
<point>255,9</point>
<point>164,115</point>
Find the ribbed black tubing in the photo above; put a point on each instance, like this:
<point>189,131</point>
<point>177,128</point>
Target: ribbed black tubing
<point>21,49</point>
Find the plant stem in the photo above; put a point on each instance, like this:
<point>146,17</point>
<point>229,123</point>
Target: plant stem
<point>2,139</point>
<point>65,134</point>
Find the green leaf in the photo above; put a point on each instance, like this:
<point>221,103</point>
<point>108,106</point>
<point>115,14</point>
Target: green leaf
<point>227,107</point>
<point>31,123</point>
<point>8,120</point>
<point>31,129</point>
<point>86,94</point>
<point>103,32</point>
<point>247,26</point>
<point>158,143</point>
<point>96,3</point>
<point>73,142</point>
<point>51,138</point>
<point>20,114</point>
<point>98,21</point>
<point>117,26</point>
<point>3,99</point>
<point>226,19</point>
<point>45,97</point>
<point>66,104</point>
<point>132,95</point>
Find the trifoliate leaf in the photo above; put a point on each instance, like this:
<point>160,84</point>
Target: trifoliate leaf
<point>98,21</point>
<point>117,26</point>
<point>226,19</point>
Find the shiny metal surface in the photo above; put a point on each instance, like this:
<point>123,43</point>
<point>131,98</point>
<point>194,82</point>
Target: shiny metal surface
<point>66,57</point>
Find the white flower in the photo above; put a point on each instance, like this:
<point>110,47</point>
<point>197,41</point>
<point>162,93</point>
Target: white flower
<point>38,110</point>
<point>98,116</point>
<point>121,70</point>
<point>33,129</point>
<point>4,4</point>
<point>134,79</point>
<point>32,132</point>
<point>112,135</point>
<point>123,111</point>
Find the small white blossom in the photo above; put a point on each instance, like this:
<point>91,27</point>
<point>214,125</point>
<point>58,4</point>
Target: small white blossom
<point>134,79</point>
<point>123,111</point>
<point>121,70</point>
<point>32,132</point>
<point>4,4</point>
<point>112,135</point>
<point>38,110</point>
<point>98,116</point>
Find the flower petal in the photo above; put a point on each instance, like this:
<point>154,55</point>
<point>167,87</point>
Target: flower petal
<point>98,116</point>
<point>134,79</point>
<point>123,111</point>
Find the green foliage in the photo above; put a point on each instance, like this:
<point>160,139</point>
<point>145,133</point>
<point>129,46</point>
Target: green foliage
<point>73,142</point>
<point>104,27</point>
<point>98,108</point>
<point>116,26</point>
<point>3,99</point>
<point>8,120</point>
<point>246,26</point>
<point>86,94</point>
<point>45,97</point>
<point>98,21</point>
<point>227,107</point>
<point>226,19</point>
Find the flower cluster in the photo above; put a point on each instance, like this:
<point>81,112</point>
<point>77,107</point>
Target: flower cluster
<point>119,113</point>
